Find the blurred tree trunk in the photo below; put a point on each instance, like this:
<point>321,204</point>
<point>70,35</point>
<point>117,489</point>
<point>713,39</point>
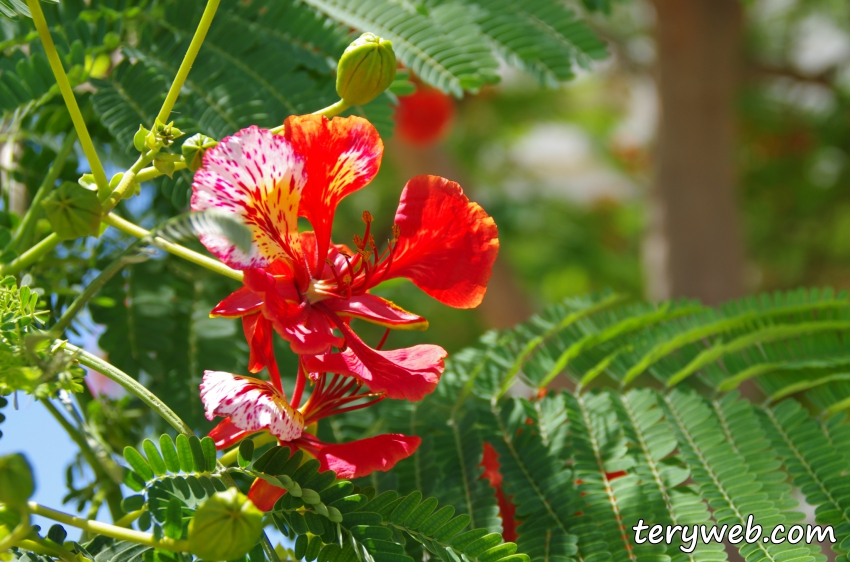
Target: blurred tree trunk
<point>694,247</point>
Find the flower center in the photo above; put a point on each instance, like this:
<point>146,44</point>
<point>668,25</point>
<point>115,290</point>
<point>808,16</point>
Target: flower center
<point>354,275</point>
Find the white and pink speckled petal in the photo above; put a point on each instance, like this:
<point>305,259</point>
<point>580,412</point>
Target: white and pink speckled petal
<point>258,176</point>
<point>251,404</point>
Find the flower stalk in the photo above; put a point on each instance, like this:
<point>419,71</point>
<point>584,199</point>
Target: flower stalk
<point>108,530</point>
<point>130,384</point>
<point>181,251</point>
<point>188,59</point>
<point>68,95</point>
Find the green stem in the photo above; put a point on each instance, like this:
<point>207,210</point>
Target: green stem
<point>68,96</point>
<point>131,385</point>
<point>151,172</point>
<point>32,255</point>
<point>128,519</point>
<point>22,235</point>
<point>112,489</point>
<point>128,181</point>
<point>329,111</point>
<point>19,533</point>
<point>108,530</point>
<point>188,60</point>
<point>176,249</point>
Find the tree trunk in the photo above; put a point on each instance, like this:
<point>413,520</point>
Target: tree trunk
<point>694,247</point>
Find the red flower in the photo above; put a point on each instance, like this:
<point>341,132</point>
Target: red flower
<point>493,474</point>
<point>425,116</point>
<point>251,405</point>
<point>308,289</point>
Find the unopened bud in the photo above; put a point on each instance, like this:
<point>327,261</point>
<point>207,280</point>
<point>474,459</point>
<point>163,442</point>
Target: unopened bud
<point>73,211</point>
<point>194,149</point>
<point>225,527</point>
<point>16,483</point>
<point>366,68</point>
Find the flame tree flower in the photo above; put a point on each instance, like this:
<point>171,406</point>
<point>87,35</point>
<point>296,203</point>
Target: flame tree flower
<point>250,405</point>
<point>307,289</point>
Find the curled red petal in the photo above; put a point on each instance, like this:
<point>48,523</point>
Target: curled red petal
<point>447,244</point>
<point>258,177</point>
<point>226,434</point>
<point>264,495</point>
<point>362,457</point>
<point>343,155</point>
<point>376,310</point>
<point>258,334</point>
<point>409,373</point>
<point>240,302</point>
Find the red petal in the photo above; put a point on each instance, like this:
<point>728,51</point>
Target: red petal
<point>409,373</point>
<point>377,311</point>
<point>507,510</point>
<point>343,155</point>
<point>258,334</point>
<point>226,434</point>
<point>258,177</point>
<point>492,468</point>
<point>310,334</point>
<point>363,457</point>
<point>251,405</point>
<point>240,302</point>
<point>264,495</point>
<point>447,244</point>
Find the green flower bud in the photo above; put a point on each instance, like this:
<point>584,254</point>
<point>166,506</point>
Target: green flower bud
<point>73,211</point>
<point>225,527</point>
<point>194,148</point>
<point>16,483</point>
<point>139,138</point>
<point>162,135</point>
<point>366,68</point>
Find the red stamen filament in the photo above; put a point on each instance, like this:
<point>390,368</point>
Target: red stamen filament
<point>383,340</point>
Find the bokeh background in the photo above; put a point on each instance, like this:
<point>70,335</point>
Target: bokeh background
<point>706,157</point>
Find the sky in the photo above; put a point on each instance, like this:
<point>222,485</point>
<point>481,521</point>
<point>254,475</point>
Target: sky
<point>31,430</point>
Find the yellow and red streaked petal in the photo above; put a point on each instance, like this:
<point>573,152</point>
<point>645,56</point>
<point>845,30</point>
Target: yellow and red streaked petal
<point>356,459</point>
<point>409,373</point>
<point>251,404</point>
<point>378,311</point>
<point>264,495</point>
<point>447,244</point>
<point>259,177</point>
<point>241,302</point>
<point>226,434</point>
<point>342,155</point>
